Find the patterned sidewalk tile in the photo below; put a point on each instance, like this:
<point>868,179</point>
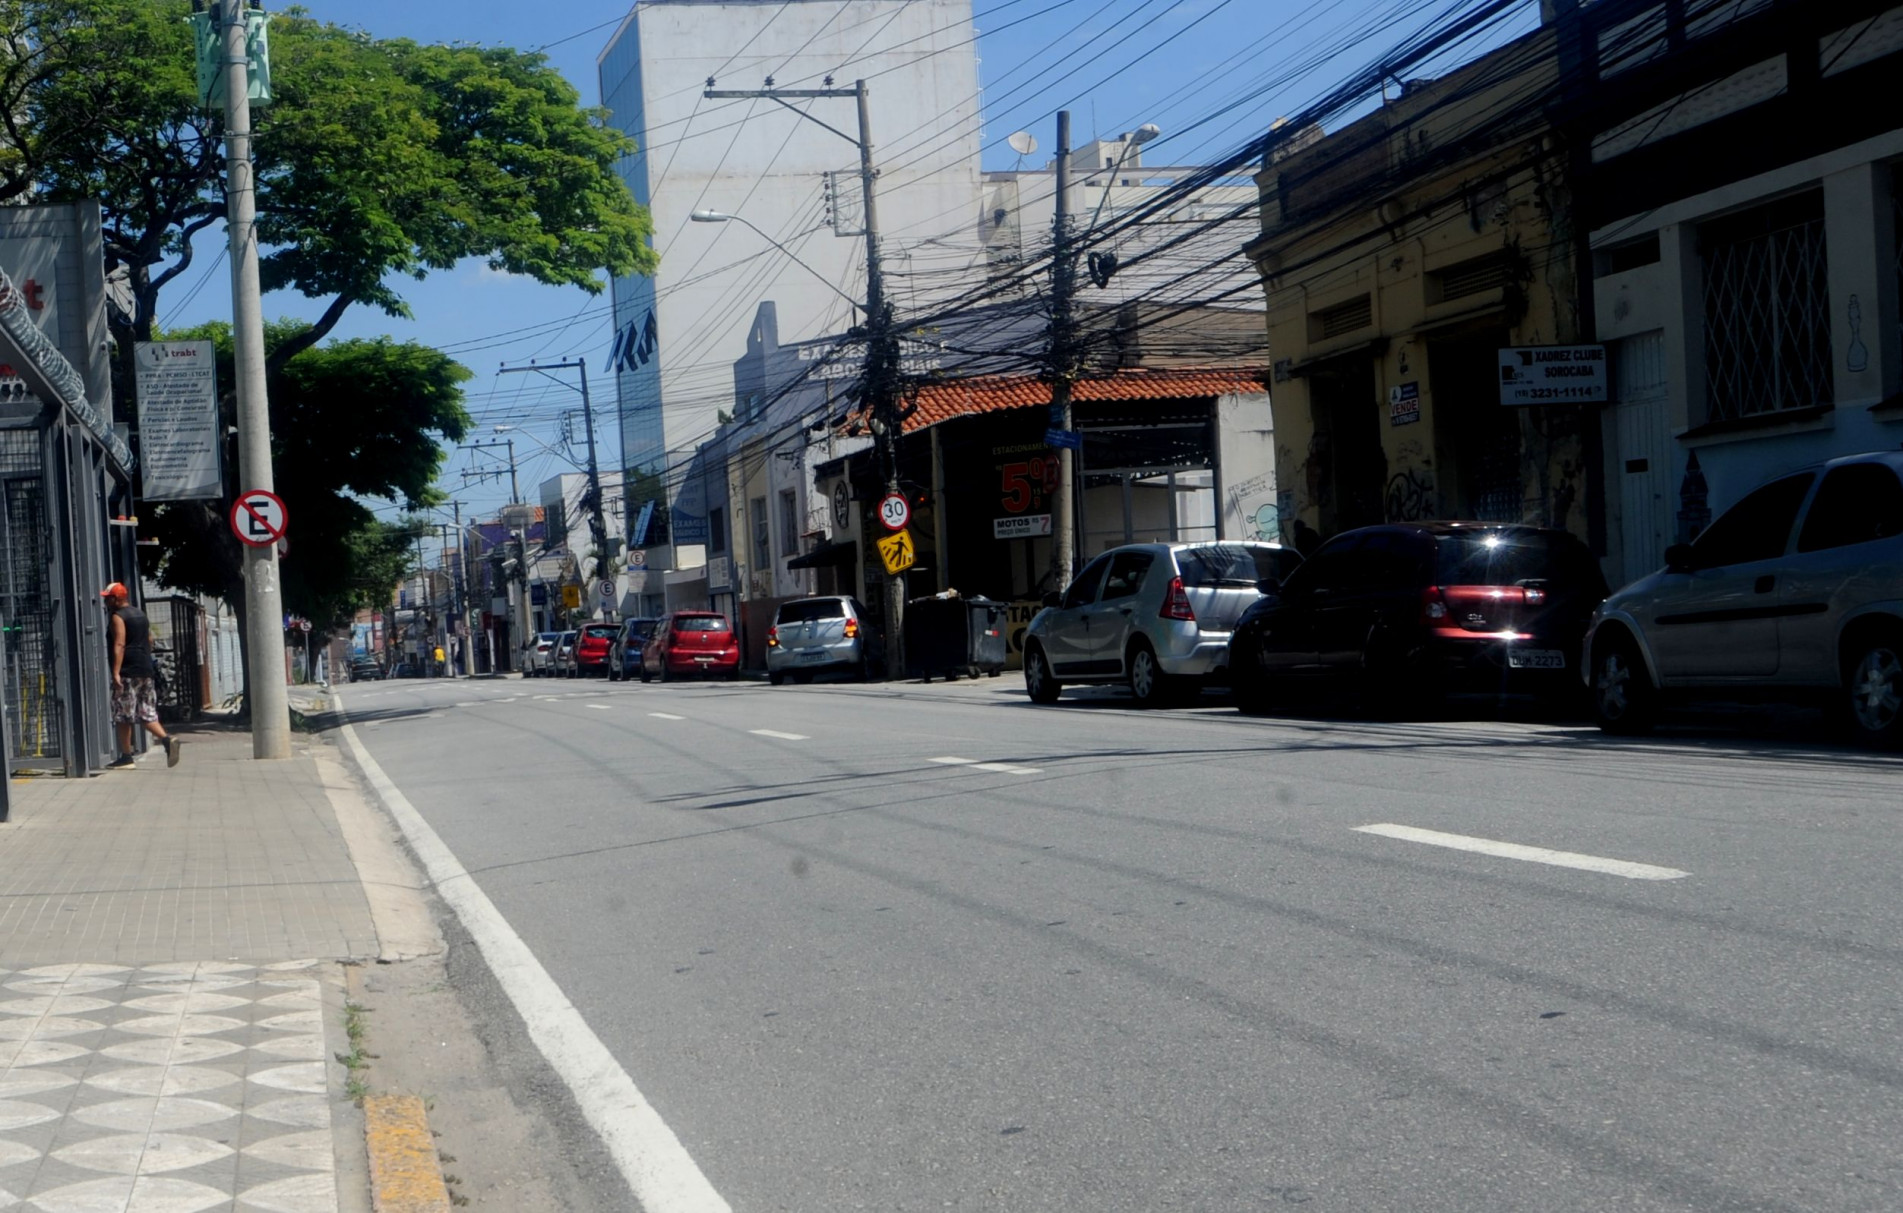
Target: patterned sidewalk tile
<point>181,1087</point>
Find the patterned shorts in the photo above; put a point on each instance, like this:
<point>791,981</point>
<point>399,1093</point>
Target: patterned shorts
<point>134,699</point>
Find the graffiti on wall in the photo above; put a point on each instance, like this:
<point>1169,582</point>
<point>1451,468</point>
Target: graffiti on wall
<point>1254,502</point>
<point>1410,496</point>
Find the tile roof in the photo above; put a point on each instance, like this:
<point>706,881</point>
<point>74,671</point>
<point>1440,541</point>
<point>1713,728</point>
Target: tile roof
<point>940,402</point>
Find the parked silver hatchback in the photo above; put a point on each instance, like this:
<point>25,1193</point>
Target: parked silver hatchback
<point>815,635</point>
<point>1154,615</point>
<point>1797,590</point>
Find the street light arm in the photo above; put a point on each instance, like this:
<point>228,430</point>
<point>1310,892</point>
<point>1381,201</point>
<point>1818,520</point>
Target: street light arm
<point>721,217</point>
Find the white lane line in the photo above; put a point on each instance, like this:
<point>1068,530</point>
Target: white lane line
<point>664,1177</point>
<point>781,736</point>
<point>599,707</point>
<point>1513,850</point>
<point>666,716</point>
<point>1002,768</point>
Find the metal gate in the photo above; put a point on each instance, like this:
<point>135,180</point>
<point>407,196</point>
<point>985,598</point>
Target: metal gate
<point>177,654</point>
<point>30,679</point>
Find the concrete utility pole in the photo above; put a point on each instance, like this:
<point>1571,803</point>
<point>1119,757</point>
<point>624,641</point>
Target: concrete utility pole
<point>597,526</point>
<point>1063,367</point>
<point>882,346</point>
<point>264,602</point>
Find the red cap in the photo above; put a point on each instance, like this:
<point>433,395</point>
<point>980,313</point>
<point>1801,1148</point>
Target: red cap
<point>116,590</point>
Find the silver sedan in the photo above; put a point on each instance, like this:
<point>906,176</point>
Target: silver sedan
<point>1156,616</point>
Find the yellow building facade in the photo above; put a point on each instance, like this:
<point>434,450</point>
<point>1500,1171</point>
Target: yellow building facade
<point>1401,254</point>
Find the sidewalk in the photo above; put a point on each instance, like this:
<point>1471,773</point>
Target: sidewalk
<point>170,992</point>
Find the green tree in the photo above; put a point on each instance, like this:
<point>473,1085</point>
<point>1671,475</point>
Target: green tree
<point>378,159</point>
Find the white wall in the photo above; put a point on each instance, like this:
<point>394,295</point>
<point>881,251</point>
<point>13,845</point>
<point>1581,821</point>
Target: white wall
<point>754,158</point>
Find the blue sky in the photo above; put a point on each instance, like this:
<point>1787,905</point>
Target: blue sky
<point>1211,73</point>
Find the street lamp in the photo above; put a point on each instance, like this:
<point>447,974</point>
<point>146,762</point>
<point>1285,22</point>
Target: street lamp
<point>1135,139</point>
<point>721,217</point>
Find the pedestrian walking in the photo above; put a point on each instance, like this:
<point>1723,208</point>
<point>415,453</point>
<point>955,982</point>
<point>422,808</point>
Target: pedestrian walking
<point>1307,539</point>
<point>135,697</point>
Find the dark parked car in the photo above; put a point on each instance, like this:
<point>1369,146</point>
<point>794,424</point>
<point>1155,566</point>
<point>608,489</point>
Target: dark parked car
<point>365,669</point>
<point>1413,611</point>
<point>624,655</point>
<point>691,642</point>
<point>407,669</point>
<point>1794,592</point>
<point>592,643</point>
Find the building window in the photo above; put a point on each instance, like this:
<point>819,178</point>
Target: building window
<point>762,544</point>
<point>556,528</point>
<point>1343,318</point>
<point>789,523</point>
<point>717,531</point>
<point>1767,309</point>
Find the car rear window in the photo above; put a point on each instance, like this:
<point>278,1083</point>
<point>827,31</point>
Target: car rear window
<point>700,623</point>
<point>1508,558</point>
<point>812,608</point>
<point>1229,564</point>
<point>600,629</point>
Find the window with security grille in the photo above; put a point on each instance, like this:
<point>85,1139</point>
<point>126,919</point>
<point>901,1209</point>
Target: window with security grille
<point>1767,309</point>
<point>1473,277</point>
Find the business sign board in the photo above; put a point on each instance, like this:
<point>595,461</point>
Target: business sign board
<point>1553,374</point>
<point>179,440</point>
<point>1021,526</point>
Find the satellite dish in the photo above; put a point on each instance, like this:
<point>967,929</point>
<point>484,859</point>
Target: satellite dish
<point>1023,143</point>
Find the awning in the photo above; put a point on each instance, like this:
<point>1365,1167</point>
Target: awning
<point>835,554</point>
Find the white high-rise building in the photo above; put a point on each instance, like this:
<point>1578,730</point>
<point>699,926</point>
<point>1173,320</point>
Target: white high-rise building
<point>678,333</point>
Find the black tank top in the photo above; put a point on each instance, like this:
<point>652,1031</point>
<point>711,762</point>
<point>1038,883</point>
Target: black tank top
<point>137,662</point>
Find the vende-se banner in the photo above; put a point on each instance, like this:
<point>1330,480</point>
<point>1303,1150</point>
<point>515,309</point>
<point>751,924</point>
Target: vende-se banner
<point>178,421</point>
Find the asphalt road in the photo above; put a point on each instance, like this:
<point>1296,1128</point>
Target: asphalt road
<point>1150,962</point>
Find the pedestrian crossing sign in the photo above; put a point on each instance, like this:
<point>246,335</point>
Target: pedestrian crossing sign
<point>897,552</point>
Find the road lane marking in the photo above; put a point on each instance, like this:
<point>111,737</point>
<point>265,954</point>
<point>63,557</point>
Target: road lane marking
<point>599,707</point>
<point>664,1177</point>
<point>1002,768</point>
<point>666,716</point>
<point>1513,850</point>
<point>781,736</point>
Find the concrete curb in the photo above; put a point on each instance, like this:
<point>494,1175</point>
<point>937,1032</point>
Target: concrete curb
<point>405,1175</point>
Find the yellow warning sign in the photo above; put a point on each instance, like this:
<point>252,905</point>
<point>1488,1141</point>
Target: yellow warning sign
<point>897,552</point>
<point>571,596</point>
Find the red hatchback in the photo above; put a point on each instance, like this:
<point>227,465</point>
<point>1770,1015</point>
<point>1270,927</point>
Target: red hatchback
<point>591,648</point>
<point>691,642</point>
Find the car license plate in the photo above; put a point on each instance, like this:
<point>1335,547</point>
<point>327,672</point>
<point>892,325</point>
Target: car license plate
<point>812,654</point>
<point>1536,659</point>
<point>705,660</point>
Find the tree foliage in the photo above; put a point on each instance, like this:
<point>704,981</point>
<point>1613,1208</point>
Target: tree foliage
<point>378,159</point>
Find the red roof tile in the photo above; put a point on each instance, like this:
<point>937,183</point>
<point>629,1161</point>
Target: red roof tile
<point>939,402</point>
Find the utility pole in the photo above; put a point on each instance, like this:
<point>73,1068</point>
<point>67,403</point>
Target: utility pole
<point>1063,366</point>
<point>881,382</point>
<point>264,601</point>
<point>515,490</point>
<point>596,525</point>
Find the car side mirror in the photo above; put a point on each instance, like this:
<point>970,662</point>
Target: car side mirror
<point>1053,599</point>
<point>1679,559</point>
<point>1268,585</point>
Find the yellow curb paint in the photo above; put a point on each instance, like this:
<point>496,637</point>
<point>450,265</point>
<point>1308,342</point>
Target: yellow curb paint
<point>405,1175</point>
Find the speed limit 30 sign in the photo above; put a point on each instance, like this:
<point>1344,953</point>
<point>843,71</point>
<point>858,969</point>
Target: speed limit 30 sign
<point>894,512</point>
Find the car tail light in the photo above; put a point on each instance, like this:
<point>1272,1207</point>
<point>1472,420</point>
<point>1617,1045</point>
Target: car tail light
<point>852,628</point>
<point>773,636</point>
<point>1433,605</point>
<point>1534,597</point>
<point>1176,603</point>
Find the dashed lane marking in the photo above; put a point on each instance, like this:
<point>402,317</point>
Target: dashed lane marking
<point>774,733</point>
<point>1001,768</point>
<point>1513,850</point>
<point>599,707</point>
<point>666,716</point>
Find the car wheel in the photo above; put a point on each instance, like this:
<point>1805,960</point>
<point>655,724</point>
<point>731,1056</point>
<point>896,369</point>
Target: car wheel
<point>1149,685</point>
<point>774,678</point>
<point>661,674</point>
<point>1873,681</point>
<point>644,672</point>
<point>1624,701</point>
<point>801,679</point>
<point>1038,682</point>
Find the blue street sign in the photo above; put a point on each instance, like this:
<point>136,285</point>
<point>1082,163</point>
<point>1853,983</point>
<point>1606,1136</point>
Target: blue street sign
<point>1069,438</point>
